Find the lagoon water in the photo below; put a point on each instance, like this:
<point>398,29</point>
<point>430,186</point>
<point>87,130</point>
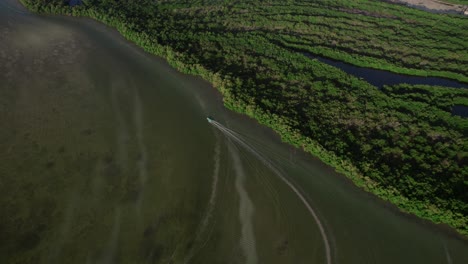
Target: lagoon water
<point>107,157</point>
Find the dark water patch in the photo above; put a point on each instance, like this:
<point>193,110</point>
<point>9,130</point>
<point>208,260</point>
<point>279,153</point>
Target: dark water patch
<point>29,241</point>
<point>74,2</point>
<point>460,110</point>
<point>380,78</point>
<point>50,164</point>
<point>87,132</point>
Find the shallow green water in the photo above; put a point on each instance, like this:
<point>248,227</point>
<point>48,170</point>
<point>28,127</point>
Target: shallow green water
<point>107,157</point>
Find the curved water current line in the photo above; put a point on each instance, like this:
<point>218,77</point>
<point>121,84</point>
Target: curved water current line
<point>275,170</point>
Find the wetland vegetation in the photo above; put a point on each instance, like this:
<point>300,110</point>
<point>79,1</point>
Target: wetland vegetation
<point>400,143</point>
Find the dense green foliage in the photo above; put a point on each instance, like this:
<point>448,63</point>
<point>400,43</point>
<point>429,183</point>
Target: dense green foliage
<point>431,98</point>
<point>400,143</point>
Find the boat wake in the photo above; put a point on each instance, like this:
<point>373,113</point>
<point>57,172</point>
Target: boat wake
<point>246,209</point>
<point>447,254</point>
<point>238,139</point>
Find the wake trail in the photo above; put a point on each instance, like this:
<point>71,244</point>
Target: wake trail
<point>266,182</point>
<point>270,165</point>
<point>258,144</point>
<point>246,210</point>
<point>447,254</point>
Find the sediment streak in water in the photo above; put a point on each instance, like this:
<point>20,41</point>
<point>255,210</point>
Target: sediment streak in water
<point>65,229</point>
<point>447,254</point>
<point>233,135</point>
<point>246,209</point>
<point>111,249</point>
<point>211,203</point>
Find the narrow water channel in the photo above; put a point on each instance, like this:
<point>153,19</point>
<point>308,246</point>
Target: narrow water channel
<point>107,157</point>
<point>379,78</point>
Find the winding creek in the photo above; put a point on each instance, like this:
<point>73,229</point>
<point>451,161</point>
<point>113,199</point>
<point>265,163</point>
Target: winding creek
<point>379,78</point>
<point>107,157</point>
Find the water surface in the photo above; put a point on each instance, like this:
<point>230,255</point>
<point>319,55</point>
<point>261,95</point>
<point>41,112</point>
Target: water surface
<point>460,110</point>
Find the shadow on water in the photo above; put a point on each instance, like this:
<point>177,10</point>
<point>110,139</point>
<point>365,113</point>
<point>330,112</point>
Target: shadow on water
<point>75,2</point>
<point>460,110</point>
